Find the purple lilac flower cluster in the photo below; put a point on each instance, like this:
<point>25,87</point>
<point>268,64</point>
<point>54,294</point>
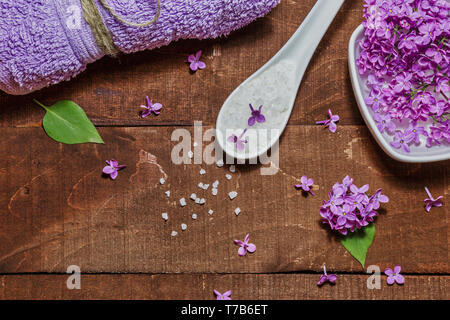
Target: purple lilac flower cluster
<point>349,207</point>
<point>405,55</point>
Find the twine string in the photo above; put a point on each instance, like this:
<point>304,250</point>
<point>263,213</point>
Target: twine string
<point>100,31</point>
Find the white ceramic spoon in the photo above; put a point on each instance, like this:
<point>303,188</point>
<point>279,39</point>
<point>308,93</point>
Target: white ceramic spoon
<point>274,86</point>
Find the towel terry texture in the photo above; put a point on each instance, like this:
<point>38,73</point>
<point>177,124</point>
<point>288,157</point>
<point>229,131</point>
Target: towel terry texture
<point>43,42</point>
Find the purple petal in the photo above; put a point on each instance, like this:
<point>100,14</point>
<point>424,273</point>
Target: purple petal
<point>390,280</point>
<point>322,280</point>
<point>113,175</point>
<point>240,145</point>
<point>198,55</point>
<point>146,113</point>
<point>260,118</point>
<point>201,65</point>
<point>388,272</point>
<point>251,248</point>
<point>227,294</point>
<point>191,58</point>
<point>397,269</point>
<point>231,138</point>
<point>239,242</point>
<point>332,278</point>
<point>247,238</point>
<point>242,251</point>
<point>332,127</point>
<point>193,66</point>
<point>108,170</point>
<point>251,121</point>
<point>399,279</point>
<point>157,106</point>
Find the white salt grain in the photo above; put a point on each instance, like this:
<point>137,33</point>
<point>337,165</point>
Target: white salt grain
<point>195,144</point>
<point>210,212</point>
<point>237,211</point>
<point>202,171</point>
<point>193,196</point>
<point>228,176</point>
<point>167,193</point>
<point>214,191</point>
<point>219,163</point>
<point>182,202</point>
<point>183,226</point>
<point>215,184</point>
<point>232,194</point>
<point>162,181</point>
<point>233,168</point>
<point>174,233</point>
<point>202,201</point>
<point>165,216</point>
<point>190,154</point>
<point>205,187</point>
<point>194,216</point>
<point>200,185</point>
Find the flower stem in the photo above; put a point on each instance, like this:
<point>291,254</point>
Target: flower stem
<point>428,193</point>
<point>40,104</point>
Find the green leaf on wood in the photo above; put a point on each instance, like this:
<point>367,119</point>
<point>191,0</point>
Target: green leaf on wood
<point>358,242</point>
<point>66,122</point>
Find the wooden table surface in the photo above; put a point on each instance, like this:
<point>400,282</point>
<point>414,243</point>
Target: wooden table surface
<point>57,210</point>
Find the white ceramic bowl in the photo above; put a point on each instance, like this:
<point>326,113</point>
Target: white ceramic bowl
<point>418,154</point>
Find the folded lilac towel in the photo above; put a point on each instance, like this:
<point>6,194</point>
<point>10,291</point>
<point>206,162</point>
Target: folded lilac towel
<point>43,42</point>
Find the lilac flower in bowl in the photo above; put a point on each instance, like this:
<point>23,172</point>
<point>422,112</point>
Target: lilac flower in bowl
<point>403,106</point>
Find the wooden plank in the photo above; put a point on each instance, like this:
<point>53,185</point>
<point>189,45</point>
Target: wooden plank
<point>111,90</point>
<point>200,287</point>
<point>57,210</point>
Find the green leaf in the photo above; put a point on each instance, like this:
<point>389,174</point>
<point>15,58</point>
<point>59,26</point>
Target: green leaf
<point>359,242</point>
<point>66,122</point>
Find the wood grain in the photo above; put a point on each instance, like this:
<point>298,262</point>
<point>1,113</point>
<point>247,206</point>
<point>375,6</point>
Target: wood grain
<point>200,287</point>
<point>57,210</point>
<point>111,90</point>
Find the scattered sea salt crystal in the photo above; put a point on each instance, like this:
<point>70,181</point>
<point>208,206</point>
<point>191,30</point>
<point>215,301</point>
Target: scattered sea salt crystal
<point>215,184</point>
<point>219,163</point>
<point>214,191</point>
<point>232,194</point>
<point>202,201</point>
<point>183,226</point>
<point>162,181</point>
<point>210,212</point>
<point>165,216</point>
<point>228,176</point>
<point>182,202</point>
<point>237,211</point>
<point>205,187</point>
<point>167,193</point>
<point>232,168</point>
<point>200,185</point>
<point>194,216</point>
<point>193,196</point>
<point>197,200</point>
<point>190,154</point>
<point>202,171</point>
<point>174,233</point>
<point>195,144</point>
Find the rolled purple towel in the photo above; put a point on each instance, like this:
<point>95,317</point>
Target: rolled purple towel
<point>43,42</point>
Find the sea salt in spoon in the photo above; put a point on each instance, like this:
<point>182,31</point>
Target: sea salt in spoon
<point>274,86</point>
